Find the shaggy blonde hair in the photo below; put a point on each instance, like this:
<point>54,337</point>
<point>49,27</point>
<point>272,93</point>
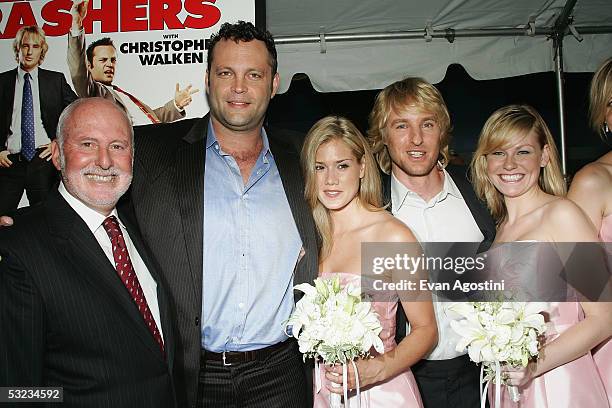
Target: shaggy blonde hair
<point>370,190</point>
<point>397,97</point>
<point>600,96</point>
<point>36,33</point>
<point>498,132</point>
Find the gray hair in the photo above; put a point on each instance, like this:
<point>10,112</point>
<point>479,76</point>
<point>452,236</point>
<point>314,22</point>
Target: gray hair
<point>64,123</point>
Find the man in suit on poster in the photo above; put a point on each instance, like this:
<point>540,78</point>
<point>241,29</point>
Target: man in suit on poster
<point>81,302</point>
<point>410,132</point>
<point>93,69</point>
<point>32,99</point>
<point>220,201</point>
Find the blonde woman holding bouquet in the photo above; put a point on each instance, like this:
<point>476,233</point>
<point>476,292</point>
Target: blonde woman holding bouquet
<point>344,192</point>
<point>515,169</point>
<point>591,189</point>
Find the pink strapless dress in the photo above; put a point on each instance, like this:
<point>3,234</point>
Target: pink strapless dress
<point>575,384</point>
<point>603,353</point>
<point>399,391</point>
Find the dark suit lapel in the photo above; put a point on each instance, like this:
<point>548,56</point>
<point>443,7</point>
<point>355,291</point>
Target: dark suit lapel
<point>84,253</point>
<point>287,161</point>
<point>7,101</point>
<point>189,194</point>
<point>44,89</point>
<point>477,208</point>
<point>386,190</point>
<point>129,221</point>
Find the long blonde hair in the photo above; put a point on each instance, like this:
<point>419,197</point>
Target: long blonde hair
<point>397,97</point>
<point>600,96</point>
<point>497,133</point>
<point>370,190</point>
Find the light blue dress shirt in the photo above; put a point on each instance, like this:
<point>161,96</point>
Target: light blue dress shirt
<point>251,248</point>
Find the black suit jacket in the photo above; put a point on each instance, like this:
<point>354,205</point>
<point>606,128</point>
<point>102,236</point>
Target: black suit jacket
<point>168,195</point>
<point>68,321</point>
<point>477,208</point>
<point>54,94</point>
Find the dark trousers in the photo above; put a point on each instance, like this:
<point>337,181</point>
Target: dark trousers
<point>448,383</point>
<point>36,177</point>
<point>277,381</point>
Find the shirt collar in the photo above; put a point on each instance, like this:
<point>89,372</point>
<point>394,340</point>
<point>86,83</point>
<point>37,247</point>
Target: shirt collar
<point>211,140</point>
<point>92,218</point>
<point>33,73</point>
<point>399,192</point>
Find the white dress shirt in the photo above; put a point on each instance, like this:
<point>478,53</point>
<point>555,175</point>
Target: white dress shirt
<point>94,221</point>
<point>13,142</point>
<point>445,218</point>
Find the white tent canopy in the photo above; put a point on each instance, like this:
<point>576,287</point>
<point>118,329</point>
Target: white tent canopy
<point>346,45</point>
<point>333,41</point>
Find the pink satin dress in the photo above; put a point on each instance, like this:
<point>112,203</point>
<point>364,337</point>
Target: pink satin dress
<point>603,353</point>
<point>399,391</point>
<point>571,385</point>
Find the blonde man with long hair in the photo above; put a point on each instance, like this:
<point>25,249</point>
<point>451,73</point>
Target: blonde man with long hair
<point>343,190</point>
<point>591,189</point>
<point>410,133</point>
<point>516,170</point>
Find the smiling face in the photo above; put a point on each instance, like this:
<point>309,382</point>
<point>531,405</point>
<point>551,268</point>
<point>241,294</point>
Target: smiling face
<point>29,52</point>
<point>338,173</point>
<point>96,158</point>
<point>240,84</point>
<point>413,140</point>
<point>515,169</point>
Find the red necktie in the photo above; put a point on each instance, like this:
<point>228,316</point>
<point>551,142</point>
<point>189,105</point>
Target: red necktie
<point>137,102</point>
<point>126,273</point>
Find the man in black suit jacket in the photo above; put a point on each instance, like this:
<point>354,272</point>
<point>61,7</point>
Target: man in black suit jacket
<point>170,179</point>
<point>76,311</point>
<point>18,172</point>
<point>410,132</point>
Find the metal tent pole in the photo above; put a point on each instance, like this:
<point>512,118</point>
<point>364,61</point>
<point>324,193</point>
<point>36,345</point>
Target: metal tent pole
<point>561,25</point>
<point>558,45</point>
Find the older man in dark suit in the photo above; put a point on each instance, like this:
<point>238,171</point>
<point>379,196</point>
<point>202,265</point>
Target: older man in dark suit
<point>81,304</point>
<point>32,99</point>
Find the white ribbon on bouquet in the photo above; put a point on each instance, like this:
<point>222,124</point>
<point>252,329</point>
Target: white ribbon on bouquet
<point>514,394</point>
<point>335,399</point>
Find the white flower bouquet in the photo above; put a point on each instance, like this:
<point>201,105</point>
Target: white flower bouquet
<point>497,333</point>
<point>334,324</point>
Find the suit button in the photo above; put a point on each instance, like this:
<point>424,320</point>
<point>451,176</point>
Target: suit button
<point>197,321</point>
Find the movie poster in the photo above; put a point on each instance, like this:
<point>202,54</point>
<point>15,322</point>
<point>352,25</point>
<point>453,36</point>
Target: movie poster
<point>159,43</point>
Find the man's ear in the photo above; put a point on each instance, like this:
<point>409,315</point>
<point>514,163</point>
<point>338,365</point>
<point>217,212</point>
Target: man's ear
<point>275,84</point>
<point>206,79</point>
<point>55,155</point>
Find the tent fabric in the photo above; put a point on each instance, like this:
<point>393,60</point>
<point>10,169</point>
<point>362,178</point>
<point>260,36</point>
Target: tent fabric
<point>373,64</point>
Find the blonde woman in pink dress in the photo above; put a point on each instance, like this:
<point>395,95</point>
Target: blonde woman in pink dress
<point>344,192</point>
<point>591,189</point>
<point>516,170</point>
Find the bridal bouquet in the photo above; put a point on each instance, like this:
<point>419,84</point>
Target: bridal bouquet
<point>331,323</point>
<point>497,333</point>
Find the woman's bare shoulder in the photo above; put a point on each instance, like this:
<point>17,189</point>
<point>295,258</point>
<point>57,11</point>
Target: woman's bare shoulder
<point>389,229</point>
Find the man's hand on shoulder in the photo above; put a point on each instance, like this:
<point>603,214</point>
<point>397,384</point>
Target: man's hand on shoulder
<point>5,221</point>
<point>46,153</point>
<point>4,160</point>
